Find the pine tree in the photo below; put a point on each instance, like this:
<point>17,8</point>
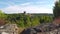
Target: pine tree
<point>56,10</point>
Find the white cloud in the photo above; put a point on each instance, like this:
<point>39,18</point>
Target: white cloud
<point>26,3</point>
<point>28,9</point>
<point>56,0</point>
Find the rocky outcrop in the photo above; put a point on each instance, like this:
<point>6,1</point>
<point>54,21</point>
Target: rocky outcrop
<point>43,29</point>
<point>9,28</point>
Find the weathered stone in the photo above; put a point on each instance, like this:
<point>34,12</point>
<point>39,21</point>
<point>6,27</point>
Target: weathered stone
<point>10,29</point>
<point>45,29</point>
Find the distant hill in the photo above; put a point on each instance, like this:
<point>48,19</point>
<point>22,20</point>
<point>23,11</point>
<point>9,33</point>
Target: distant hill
<point>42,14</point>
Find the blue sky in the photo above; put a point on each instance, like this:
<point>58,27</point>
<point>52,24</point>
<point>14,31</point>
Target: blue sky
<point>30,6</point>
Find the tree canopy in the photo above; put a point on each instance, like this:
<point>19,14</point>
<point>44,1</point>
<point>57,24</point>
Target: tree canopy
<point>56,9</point>
<point>24,20</point>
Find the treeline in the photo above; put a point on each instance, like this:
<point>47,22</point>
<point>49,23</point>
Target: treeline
<point>25,20</point>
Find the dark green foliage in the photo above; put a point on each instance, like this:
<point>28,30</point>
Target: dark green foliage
<point>56,10</point>
<point>26,20</point>
<point>35,21</point>
<point>46,19</point>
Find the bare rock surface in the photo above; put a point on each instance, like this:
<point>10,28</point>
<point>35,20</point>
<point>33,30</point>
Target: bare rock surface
<point>49,28</point>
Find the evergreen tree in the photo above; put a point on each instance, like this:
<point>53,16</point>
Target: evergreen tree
<point>56,10</point>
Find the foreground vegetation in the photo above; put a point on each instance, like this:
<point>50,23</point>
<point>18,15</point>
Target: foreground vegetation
<point>25,20</point>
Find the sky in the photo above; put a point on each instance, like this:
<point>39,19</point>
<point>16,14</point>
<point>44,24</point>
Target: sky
<point>30,6</point>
